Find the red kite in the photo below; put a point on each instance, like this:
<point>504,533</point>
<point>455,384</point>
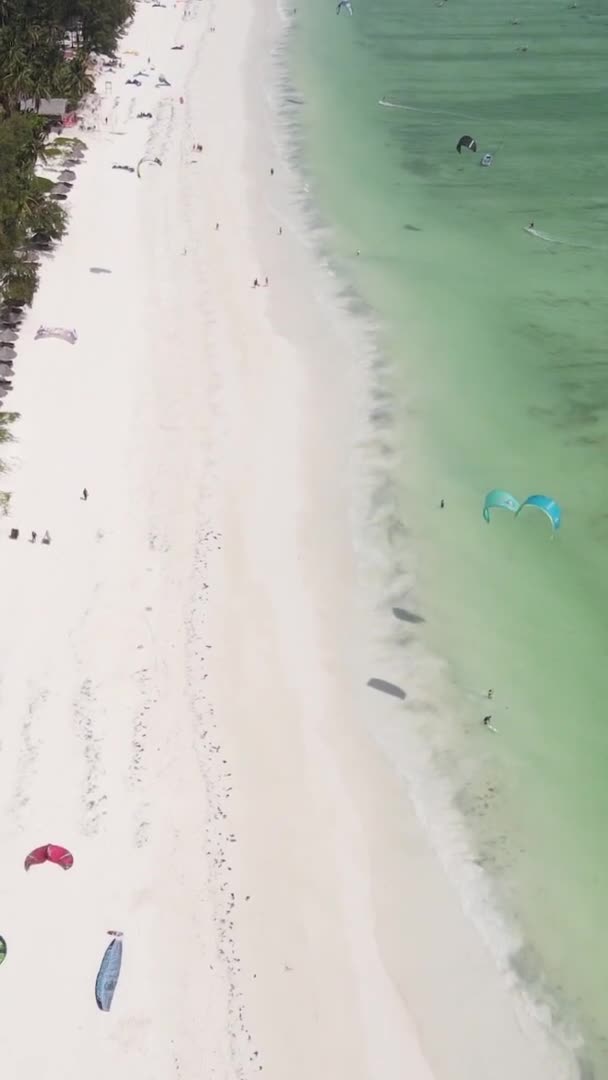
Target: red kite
<point>50,853</point>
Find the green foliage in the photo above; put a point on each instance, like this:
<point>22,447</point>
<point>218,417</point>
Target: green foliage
<point>36,63</point>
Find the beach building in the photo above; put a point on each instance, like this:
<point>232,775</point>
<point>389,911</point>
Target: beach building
<point>54,108</point>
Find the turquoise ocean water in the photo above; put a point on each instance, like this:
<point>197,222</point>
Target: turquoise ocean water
<point>498,349</point>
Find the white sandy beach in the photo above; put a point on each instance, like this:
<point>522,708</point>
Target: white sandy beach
<point>183,670</point>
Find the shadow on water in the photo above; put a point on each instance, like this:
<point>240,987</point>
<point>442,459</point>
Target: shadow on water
<point>387,688</point>
<point>407,616</point>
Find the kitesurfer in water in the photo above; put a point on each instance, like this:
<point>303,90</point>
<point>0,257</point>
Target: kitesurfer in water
<point>490,695</point>
<point>531,225</point>
<point>442,504</point>
<point>487,723</point>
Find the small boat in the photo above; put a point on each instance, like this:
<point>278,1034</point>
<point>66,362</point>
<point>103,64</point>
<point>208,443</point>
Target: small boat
<point>487,159</point>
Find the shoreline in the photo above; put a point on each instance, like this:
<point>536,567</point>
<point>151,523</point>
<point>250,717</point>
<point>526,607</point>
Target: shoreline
<point>210,427</point>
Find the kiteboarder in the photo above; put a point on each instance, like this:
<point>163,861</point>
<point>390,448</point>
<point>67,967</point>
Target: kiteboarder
<point>442,504</point>
<point>486,723</point>
<point>490,694</point>
<point>531,225</point>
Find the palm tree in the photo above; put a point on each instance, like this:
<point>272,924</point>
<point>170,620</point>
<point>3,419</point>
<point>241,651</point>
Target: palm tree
<point>73,79</point>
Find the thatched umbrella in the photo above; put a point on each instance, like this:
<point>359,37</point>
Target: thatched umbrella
<point>7,353</point>
<point>67,176</point>
<point>8,336</point>
<point>60,191</point>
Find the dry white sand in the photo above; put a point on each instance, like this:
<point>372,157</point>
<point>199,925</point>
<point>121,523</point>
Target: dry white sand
<point>182,677</point>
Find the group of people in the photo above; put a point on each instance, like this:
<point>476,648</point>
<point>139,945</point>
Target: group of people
<point>46,539</point>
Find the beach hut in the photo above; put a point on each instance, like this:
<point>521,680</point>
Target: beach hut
<point>41,241</point>
<point>54,108</point>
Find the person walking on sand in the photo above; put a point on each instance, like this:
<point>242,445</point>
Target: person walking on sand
<point>217,225</point>
<point>85,494</point>
<point>255,283</point>
<point>34,535</point>
<point>266,282</point>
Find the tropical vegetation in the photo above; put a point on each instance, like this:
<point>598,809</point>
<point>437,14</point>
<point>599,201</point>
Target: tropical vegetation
<point>45,52</point>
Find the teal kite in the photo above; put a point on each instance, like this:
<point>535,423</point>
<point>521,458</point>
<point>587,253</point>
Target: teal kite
<point>503,500</point>
<point>498,499</point>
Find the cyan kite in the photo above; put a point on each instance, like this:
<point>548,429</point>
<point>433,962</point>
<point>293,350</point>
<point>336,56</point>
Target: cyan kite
<point>503,500</point>
<point>498,499</point>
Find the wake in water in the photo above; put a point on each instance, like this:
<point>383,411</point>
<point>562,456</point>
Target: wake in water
<point>431,112</point>
<point>556,240</point>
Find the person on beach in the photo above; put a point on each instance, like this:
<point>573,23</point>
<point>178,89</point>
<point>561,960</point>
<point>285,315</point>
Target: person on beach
<point>272,172</point>
<point>266,282</point>
<point>85,494</point>
<point>255,283</point>
<point>280,230</point>
<point>217,225</point>
<point>34,535</point>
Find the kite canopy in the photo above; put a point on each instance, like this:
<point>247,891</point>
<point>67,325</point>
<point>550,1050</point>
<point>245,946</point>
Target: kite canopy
<point>548,507</point>
<point>499,500</point>
<point>109,970</point>
<point>50,853</point>
<point>150,160</point>
<point>58,332</point>
<point>466,142</point>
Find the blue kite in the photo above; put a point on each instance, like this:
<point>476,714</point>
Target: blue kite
<point>548,507</point>
<point>109,970</point>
